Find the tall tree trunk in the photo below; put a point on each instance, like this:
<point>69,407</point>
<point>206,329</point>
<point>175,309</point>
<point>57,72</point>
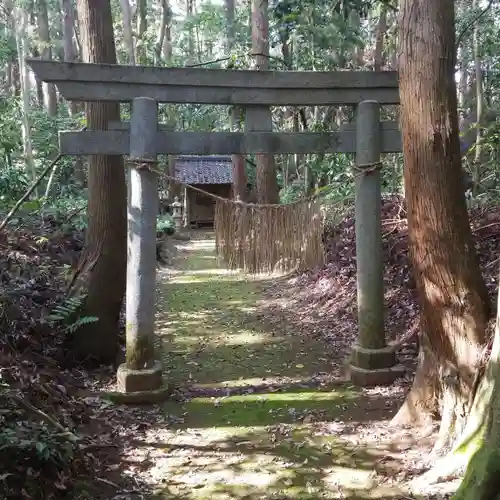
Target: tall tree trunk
<point>142,26</point>
<point>128,37</point>
<point>379,56</point>
<point>69,48</point>
<point>69,56</point>
<point>463,84</point>
<point>38,83</point>
<point>286,52</point>
<point>191,32</point>
<point>104,257</point>
<point>13,78</point>
<point>454,302</point>
<point>476,172</point>
<point>358,54</point>
<point>21,23</point>
<point>49,89</point>
<point>76,31</point>
<point>236,112</point>
<point>267,186</point>
<point>229,8</point>
<point>463,7</point>
<point>167,41</point>
<point>166,15</point>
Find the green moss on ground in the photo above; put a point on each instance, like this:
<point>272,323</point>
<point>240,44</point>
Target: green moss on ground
<point>264,443</point>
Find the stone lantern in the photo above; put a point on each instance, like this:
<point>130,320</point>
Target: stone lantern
<point>177,213</point>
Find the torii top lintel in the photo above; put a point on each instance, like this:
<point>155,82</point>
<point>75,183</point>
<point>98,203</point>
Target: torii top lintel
<point>108,82</point>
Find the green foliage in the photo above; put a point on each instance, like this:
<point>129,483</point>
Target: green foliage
<point>10,136</point>
<point>292,192</point>
<point>22,441</point>
<point>8,50</point>
<point>69,212</point>
<point>363,7</point>
<point>65,313</point>
<point>165,224</point>
<point>14,182</point>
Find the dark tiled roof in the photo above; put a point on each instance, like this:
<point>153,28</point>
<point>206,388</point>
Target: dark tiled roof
<point>204,169</point>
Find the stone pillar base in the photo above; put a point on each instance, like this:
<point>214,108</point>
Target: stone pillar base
<point>371,378</point>
<point>371,367</point>
<point>148,379</point>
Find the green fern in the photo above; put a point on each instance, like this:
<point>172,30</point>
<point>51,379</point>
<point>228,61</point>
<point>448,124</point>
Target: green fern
<point>84,320</point>
<point>63,313</point>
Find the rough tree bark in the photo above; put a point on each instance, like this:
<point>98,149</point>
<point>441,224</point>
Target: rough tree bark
<point>104,258</point>
<point>238,161</point>
<point>454,302</point>
<point>267,186</point>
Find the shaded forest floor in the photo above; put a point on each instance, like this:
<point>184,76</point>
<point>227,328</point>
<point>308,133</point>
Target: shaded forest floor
<point>261,408</point>
<point>263,412</point>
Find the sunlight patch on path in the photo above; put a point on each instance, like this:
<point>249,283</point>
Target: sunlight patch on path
<point>261,443</point>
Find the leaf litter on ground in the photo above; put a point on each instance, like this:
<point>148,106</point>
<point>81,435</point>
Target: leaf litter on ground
<point>291,335</point>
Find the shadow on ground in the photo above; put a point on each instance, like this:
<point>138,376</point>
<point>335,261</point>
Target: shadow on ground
<point>258,413</point>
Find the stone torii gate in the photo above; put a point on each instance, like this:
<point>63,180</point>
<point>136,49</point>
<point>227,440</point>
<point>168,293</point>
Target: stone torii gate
<point>372,362</point>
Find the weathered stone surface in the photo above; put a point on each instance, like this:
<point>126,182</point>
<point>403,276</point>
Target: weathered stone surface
<point>373,359</point>
<point>148,379</point>
<point>139,398</point>
<point>142,211</point>
<point>117,142</point>
<point>371,378</point>
<point>368,228</point>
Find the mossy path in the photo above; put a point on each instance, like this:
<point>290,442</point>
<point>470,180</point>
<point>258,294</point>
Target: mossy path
<point>255,418</point>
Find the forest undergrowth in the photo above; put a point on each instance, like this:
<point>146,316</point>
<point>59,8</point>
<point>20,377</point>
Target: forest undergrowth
<point>57,440</point>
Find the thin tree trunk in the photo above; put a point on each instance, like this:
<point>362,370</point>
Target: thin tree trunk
<point>379,56</point>
<point>142,26</point>
<point>358,55</point>
<point>38,83</point>
<point>191,32</point>
<point>69,49</point>
<point>104,257</point>
<point>476,172</point>
<point>230,26</point>
<point>69,56</point>
<point>13,78</point>
<point>454,300</point>
<point>128,38</point>
<point>160,39</point>
<point>236,112</point>
<point>49,89</point>
<point>167,41</point>
<point>76,31</point>
<point>286,52</point>
<point>21,20</point>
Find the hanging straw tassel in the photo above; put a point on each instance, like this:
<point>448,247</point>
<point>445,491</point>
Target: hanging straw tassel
<point>266,238</point>
<point>269,238</point>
